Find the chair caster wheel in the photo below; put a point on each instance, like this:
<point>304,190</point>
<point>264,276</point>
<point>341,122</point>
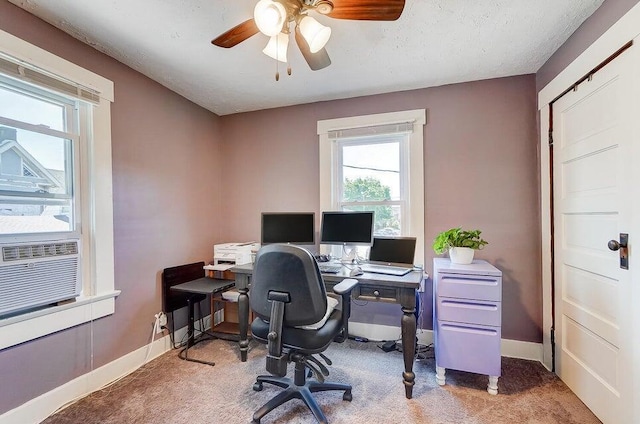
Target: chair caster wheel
<point>258,388</point>
<point>347,396</point>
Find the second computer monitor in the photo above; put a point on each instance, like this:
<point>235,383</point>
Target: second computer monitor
<point>288,227</point>
<point>347,228</point>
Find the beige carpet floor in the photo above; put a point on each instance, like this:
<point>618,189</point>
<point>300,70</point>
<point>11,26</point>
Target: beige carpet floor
<point>169,390</point>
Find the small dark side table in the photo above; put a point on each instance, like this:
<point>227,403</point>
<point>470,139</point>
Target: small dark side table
<point>194,290</point>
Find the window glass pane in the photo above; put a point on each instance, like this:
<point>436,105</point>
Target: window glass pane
<point>387,218</point>
<point>371,172</point>
<point>30,109</point>
<point>34,216</point>
<point>36,171</point>
<point>33,162</point>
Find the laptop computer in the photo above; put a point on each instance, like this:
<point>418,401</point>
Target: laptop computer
<point>391,255</point>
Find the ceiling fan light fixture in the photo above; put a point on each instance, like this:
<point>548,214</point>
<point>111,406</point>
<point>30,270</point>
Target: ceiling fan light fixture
<point>314,33</point>
<point>277,47</point>
<point>270,17</point>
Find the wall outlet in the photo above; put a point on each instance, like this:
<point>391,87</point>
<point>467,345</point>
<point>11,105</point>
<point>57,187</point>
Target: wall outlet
<point>161,318</point>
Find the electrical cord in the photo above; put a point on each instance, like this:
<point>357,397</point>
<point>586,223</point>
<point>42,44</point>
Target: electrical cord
<point>421,350</point>
<point>156,326</point>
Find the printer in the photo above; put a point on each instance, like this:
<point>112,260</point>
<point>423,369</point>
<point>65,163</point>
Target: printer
<point>227,255</point>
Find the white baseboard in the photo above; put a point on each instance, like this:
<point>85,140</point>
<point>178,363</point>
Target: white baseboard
<point>523,350</point>
<point>37,409</point>
<point>510,348</point>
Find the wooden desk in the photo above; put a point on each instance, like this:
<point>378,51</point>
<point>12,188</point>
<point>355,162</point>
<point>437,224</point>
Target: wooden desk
<point>372,287</point>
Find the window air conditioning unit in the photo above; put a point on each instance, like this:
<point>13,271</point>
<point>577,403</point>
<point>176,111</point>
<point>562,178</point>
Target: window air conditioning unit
<point>38,274</point>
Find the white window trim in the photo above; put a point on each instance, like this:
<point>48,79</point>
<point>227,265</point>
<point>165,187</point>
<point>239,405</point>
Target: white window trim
<point>97,198</point>
<point>328,151</point>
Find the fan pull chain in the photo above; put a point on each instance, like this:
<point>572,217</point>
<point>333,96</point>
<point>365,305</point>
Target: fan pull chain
<point>277,69</point>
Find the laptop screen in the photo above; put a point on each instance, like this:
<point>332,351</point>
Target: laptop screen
<point>393,249</point>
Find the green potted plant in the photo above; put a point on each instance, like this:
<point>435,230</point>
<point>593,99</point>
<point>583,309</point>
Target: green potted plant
<point>461,244</point>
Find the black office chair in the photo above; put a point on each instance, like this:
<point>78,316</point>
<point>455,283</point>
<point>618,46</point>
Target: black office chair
<point>287,293</point>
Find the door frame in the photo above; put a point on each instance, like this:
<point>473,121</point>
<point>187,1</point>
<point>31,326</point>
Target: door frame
<point>619,34</point>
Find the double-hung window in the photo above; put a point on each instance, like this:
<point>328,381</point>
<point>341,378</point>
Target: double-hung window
<point>39,164</point>
<point>372,175</point>
<point>375,162</point>
<point>56,209</point>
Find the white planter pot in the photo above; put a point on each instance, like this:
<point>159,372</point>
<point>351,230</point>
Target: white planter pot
<point>461,255</point>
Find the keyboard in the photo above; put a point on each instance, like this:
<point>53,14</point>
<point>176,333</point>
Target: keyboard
<point>386,269</point>
<point>326,268</point>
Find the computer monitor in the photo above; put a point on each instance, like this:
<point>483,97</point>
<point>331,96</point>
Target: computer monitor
<point>400,250</point>
<point>347,228</point>
<point>288,227</point>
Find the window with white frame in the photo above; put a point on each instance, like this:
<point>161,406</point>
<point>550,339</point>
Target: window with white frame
<point>372,175</point>
<point>55,140</point>
<point>39,166</point>
<point>375,162</point>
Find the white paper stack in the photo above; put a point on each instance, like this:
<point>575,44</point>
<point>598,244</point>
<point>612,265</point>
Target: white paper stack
<point>231,295</point>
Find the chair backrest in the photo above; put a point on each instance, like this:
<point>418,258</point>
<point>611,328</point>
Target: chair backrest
<point>294,271</point>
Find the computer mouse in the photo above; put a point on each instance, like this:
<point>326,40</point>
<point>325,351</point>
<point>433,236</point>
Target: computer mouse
<point>355,272</point>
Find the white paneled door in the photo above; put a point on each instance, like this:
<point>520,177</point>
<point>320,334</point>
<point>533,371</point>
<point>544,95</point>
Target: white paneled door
<point>594,127</point>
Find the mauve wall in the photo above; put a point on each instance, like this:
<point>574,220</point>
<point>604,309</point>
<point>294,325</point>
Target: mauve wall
<point>590,30</point>
<point>174,197</point>
<point>165,162</point>
<point>480,172</point>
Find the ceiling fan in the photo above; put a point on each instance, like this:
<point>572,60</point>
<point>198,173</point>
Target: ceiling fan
<point>274,18</point>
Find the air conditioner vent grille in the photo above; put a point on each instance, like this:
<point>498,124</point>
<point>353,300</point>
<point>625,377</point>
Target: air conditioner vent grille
<point>39,250</point>
<point>38,283</point>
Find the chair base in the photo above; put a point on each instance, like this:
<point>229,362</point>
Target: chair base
<point>293,391</point>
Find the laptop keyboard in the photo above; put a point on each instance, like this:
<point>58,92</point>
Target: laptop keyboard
<point>385,269</point>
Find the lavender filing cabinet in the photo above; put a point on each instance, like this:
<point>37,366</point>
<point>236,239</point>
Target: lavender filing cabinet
<point>467,319</point>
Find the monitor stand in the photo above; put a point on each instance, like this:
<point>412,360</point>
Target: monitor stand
<point>350,254</point>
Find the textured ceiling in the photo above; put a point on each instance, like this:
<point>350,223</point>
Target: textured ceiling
<point>434,42</point>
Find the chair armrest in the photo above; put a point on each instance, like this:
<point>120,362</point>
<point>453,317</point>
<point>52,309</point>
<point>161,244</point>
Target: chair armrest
<point>345,286</point>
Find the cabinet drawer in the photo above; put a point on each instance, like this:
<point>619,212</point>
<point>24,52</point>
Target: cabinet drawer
<point>471,348</point>
<point>486,312</point>
<point>470,286</point>
<point>375,293</point>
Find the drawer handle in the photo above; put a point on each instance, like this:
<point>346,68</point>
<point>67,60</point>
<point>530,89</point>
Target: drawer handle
<point>471,305</point>
<point>464,329</point>
<point>474,281</point>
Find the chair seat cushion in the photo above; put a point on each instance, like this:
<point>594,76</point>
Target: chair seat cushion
<point>300,339</point>
<point>331,305</point>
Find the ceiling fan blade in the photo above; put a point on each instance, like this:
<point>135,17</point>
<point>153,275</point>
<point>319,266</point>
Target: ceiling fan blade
<point>237,34</point>
<point>367,10</point>
<point>316,61</point>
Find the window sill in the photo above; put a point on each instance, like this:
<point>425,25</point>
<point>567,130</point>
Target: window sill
<point>29,326</point>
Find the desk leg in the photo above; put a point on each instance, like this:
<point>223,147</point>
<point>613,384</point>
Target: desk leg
<point>242,284</point>
<point>191,336</point>
<point>408,325</point>
<point>191,327</point>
